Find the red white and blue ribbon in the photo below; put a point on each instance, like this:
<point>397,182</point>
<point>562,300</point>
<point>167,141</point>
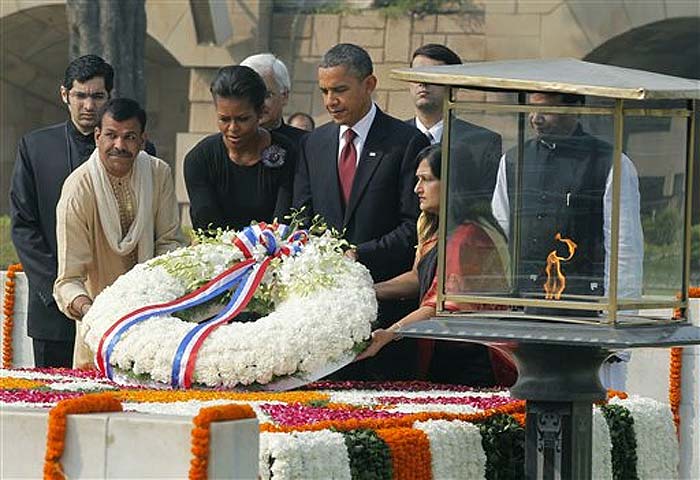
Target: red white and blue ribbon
<point>244,277</point>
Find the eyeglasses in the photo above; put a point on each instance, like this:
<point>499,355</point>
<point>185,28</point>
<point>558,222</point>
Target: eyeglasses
<point>96,97</point>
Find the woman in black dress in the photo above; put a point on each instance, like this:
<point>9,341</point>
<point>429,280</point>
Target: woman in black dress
<point>244,172</point>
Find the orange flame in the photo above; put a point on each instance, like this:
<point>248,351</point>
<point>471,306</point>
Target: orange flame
<point>555,285</point>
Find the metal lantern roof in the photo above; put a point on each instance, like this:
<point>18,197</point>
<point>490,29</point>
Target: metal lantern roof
<point>563,75</point>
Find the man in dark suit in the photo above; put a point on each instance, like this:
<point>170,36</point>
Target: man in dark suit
<point>276,77</point>
<point>358,173</point>
<point>483,145</point>
<point>45,157</point>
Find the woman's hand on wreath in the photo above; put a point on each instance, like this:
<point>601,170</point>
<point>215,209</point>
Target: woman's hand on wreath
<point>351,254</point>
<point>380,338</point>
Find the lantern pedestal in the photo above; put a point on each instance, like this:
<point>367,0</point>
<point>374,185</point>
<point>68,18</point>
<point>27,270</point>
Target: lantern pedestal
<point>558,375</point>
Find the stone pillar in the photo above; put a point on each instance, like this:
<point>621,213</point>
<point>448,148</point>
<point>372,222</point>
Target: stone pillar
<point>202,122</point>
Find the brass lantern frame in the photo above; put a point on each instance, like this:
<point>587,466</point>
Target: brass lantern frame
<point>566,76</point>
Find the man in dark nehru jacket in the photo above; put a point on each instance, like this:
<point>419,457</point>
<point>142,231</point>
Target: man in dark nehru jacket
<point>358,173</point>
<point>567,189</point>
<point>45,157</point>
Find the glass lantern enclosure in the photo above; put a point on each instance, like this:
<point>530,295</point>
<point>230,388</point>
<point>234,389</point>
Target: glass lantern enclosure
<point>566,191</point>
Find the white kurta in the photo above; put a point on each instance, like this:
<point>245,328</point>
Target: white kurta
<point>86,263</point>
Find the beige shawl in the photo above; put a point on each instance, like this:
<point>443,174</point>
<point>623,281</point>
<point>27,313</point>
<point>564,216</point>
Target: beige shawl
<point>142,186</point>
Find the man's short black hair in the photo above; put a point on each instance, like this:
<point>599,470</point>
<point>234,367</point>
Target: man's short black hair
<point>566,98</point>
<point>354,58</point>
<point>572,99</point>
<point>240,82</point>
<point>122,109</point>
<point>86,68</point>
<point>437,52</point>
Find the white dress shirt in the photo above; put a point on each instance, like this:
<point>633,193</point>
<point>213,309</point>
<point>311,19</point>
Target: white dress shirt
<point>631,239</point>
<point>435,131</point>
<point>361,129</point>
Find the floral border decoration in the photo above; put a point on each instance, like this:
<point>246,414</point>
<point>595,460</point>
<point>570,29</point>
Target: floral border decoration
<point>388,439</point>
<point>56,433</point>
<point>201,434</point>
<point>624,442</point>
<point>8,309</point>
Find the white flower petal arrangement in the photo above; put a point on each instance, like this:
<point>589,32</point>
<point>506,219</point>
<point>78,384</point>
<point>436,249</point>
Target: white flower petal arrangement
<point>318,307</point>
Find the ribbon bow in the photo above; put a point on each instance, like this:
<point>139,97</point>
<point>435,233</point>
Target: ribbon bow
<point>244,277</point>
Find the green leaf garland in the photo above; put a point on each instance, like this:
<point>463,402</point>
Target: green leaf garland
<point>370,458</point>
<point>503,441</point>
<point>624,441</point>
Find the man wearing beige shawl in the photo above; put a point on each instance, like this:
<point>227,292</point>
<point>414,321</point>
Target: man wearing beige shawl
<point>116,210</point>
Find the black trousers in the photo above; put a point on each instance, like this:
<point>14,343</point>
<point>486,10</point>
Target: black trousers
<point>50,353</point>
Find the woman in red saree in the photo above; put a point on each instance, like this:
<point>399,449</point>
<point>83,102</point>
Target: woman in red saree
<point>475,262</point>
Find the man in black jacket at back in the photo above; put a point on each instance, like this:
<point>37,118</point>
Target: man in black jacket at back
<point>45,157</point>
<point>477,172</point>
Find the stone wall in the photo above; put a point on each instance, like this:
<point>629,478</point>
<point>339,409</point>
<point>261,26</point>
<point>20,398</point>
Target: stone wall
<point>301,40</point>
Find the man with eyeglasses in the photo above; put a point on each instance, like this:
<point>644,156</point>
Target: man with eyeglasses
<point>45,157</point>
<point>276,77</point>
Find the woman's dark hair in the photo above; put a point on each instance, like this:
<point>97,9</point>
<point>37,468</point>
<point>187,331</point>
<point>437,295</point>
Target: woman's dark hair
<point>467,202</point>
<point>428,222</point>
<point>122,109</point>
<point>236,81</point>
<point>86,68</point>
<point>433,154</point>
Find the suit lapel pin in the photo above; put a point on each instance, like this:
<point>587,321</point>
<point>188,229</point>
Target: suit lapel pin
<point>372,154</point>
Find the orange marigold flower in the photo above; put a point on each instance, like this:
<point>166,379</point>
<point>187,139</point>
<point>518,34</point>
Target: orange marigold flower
<point>410,452</point>
<point>56,433</point>
<point>200,433</point>
<point>674,387</point>
<point>8,310</point>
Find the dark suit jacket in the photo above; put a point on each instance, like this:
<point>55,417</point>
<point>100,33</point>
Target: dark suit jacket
<point>44,159</point>
<point>382,212</point>
<point>292,133</point>
<point>478,153</point>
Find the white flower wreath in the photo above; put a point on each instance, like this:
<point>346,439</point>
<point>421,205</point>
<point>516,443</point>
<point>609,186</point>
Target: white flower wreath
<point>322,307</point>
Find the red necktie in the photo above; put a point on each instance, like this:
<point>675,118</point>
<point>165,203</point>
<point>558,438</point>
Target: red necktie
<point>347,164</point>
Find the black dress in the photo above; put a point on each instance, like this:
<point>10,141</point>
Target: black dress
<point>224,194</point>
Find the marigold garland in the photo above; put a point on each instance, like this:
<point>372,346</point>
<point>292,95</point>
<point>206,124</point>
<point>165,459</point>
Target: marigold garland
<point>674,387</point>
<point>675,368</point>
<point>170,396</point>
<point>616,393</point>
<point>12,383</point>
<point>8,309</point>
<point>410,452</point>
<point>56,434</point>
<point>200,433</point>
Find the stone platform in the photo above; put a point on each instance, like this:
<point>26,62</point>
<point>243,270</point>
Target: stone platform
<point>125,445</point>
